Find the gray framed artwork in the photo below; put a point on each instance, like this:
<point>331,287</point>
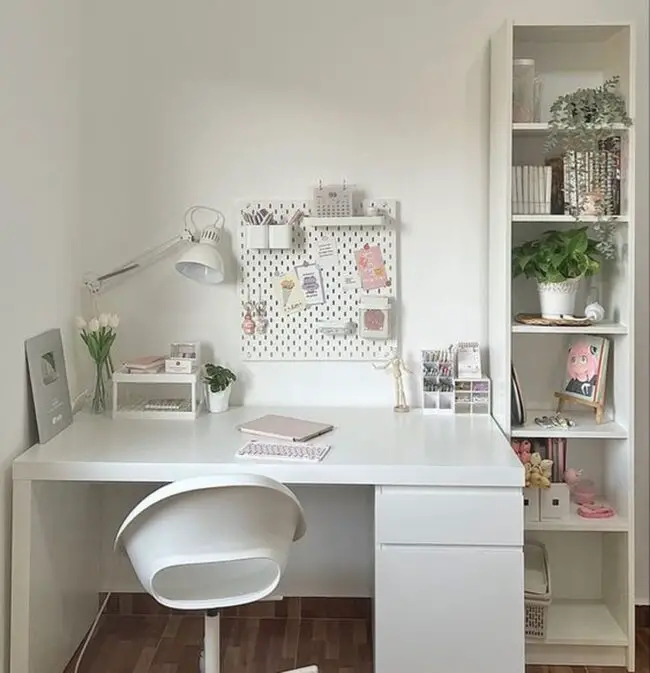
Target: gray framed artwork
<point>49,383</point>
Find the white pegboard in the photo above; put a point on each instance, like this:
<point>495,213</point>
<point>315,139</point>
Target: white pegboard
<point>294,336</point>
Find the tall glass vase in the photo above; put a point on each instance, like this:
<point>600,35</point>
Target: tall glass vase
<point>100,397</point>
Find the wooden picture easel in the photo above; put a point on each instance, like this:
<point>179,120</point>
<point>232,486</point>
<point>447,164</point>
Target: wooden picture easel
<point>598,407</point>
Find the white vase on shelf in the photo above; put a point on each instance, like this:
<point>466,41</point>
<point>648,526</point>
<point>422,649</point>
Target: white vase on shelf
<point>558,299</point>
<point>217,402</point>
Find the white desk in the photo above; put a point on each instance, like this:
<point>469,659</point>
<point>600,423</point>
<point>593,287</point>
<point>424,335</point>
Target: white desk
<point>448,527</point>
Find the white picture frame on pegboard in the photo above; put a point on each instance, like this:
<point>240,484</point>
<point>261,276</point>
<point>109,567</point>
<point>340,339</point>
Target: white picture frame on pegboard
<point>300,336</point>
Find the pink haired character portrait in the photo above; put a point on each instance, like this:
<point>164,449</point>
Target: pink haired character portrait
<point>582,369</point>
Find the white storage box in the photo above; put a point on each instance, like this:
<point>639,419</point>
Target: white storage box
<point>156,396</point>
<point>532,504</point>
<point>537,590</point>
<point>555,502</point>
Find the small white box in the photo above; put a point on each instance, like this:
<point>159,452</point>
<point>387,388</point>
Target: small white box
<point>280,236</point>
<point>180,365</point>
<point>532,504</point>
<point>374,317</point>
<point>555,502</point>
<point>257,236</point>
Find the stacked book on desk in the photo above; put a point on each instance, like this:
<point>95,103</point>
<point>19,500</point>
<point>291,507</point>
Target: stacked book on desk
<point>531,190</point>
<point>149,364</point>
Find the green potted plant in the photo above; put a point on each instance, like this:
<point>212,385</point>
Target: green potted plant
<point>558,261</point>
<point>218,383</point>
<point>584,127</point>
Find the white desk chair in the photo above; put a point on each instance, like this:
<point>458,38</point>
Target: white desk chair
<point>213,542</point>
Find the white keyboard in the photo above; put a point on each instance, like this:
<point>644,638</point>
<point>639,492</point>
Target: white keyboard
<point>295,451</point>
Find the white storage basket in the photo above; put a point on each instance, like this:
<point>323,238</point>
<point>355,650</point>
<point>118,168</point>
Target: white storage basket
<point>537,589</point>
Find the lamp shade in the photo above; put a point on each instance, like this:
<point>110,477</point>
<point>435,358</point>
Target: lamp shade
<point>202,262</point>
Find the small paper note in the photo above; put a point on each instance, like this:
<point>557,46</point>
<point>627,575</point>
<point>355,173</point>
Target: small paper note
<point>287,289</point>
<point>311,283</point>
<point>350,283</point>
<point>370,267</point>
<point>326,252</point>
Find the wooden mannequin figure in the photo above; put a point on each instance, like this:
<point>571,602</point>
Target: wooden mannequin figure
<point>397,369</point>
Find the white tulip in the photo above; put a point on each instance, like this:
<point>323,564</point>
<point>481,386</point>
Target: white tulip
<point>103,320</point>
<point>93,325</point>
<point>114,320</point>
<point>81,323</point>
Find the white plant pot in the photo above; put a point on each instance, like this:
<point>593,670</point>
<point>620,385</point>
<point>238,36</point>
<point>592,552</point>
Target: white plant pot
<point>217,402</point>
<point>558,299</point>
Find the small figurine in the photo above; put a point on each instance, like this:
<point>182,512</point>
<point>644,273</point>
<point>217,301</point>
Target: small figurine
<point>248,325</point>
<point>261,321</point>
<point>398,368</point>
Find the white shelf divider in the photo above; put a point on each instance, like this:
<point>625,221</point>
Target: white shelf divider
<point>605,327</point>
<point>585,428</point>
<point>354,221</point>
<point>559,219</point>
<point>575,523</point>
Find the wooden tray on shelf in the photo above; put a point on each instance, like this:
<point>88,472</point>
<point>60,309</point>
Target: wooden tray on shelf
<point>536,319</point>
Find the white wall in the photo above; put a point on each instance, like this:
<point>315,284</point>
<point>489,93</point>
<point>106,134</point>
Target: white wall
<point>39,205</point>
<point>209,102</point>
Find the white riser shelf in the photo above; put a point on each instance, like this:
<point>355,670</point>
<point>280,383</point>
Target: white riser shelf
<point>591,618</point>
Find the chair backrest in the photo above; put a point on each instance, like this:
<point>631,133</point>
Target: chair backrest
<point>212,542</point>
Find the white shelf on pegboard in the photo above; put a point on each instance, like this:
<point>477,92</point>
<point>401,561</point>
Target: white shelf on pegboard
<point>354,221</point>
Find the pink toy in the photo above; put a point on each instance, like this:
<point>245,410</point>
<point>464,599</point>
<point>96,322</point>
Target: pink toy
<point>583,491</point>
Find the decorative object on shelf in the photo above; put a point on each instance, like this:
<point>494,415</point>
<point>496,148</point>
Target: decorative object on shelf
<point>594,312</point>
<point>311,283</point>
<point>260,320</point>
<point>371,268</point>
<point>517,409</point>
<point>555,421</point>
<point>584,127</point>
<point>582,491</point>
<point>594,511</point>
<point>565,321</point>
<point>439,381</point>
<point>334,328</point>
<point>586,373</point>
<point>333,200</point>
<point>48,381</point>
<point>202,262</point>
<point>558,261</point>
<point>525,91</point>
<point>289,291</point>
<point>99,334</point>
<point>397,369</point>
<point>148,395</point>
<point>374,317</point>
<point>218,383</point>
<point>248,324</point>
<point>147,364</point>
<point>537,469</point>
<point>184,358</point>
<point>468,360</point>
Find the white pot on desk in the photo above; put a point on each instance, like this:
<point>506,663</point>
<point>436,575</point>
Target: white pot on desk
<point>217,402</point>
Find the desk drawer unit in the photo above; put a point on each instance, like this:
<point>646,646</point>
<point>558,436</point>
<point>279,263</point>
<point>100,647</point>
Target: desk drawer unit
<point>449,516</point>
<point>449,580</point>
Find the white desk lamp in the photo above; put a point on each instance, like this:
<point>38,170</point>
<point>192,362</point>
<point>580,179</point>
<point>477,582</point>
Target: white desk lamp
<point>202,262</point>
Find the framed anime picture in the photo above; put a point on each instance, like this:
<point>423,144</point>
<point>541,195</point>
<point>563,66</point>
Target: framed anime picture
<point>49,383</point>
<point>586,370</point>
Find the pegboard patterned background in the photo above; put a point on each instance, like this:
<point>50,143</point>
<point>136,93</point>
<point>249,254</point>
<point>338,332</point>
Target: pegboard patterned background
<point>294,336</point>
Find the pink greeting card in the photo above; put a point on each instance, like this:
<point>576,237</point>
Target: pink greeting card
<point>370,267</point>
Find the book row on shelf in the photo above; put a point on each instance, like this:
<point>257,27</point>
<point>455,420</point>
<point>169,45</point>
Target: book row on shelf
<point>588,182</point>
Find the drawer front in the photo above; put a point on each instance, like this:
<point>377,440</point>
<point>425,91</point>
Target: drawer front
<point>449,516</point>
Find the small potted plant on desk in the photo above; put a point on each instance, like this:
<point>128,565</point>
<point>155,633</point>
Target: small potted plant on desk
<point>218,383</point>
<point>558,261</point>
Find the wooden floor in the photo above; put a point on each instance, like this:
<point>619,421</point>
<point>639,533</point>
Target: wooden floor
<point>171,644</point>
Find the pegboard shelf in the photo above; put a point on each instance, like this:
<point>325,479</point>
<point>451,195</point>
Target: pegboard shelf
<point>354,221</point>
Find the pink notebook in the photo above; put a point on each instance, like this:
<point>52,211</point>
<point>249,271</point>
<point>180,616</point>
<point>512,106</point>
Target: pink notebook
<point>285,427</point>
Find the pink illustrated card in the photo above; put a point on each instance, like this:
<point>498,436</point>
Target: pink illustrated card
<point>370,267</point>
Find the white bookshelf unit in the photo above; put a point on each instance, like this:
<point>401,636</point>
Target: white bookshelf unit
<point>591,618</point>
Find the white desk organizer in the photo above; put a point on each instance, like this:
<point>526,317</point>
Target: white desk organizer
<point>438,382</point>
<point>304,335</point>
<point>145,396</point>
<point>472,396</point>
